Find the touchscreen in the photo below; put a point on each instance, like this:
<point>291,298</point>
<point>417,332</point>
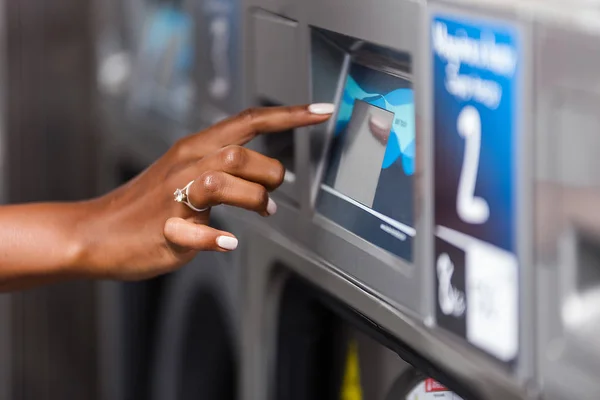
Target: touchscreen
<point>368,181</point>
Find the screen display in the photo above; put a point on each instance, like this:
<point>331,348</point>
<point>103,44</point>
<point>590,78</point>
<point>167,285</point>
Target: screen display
<point>368,182</point>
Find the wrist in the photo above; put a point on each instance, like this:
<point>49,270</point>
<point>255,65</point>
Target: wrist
<point>84,248</point>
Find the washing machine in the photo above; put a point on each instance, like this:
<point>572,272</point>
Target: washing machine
<point>437,237</point>
<point>167,69</point>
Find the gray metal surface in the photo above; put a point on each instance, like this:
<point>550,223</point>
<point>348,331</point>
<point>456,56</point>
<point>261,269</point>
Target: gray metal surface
<point>271,37</point>
<point>272,259</point>
<point>397,280</point>
<point>557,99</point>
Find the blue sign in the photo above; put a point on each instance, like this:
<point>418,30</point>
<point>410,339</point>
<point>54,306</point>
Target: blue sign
<point>476,89</point>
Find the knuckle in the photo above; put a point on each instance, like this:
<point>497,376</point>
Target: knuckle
<point>291,111</point>
<point>180,148</point>
<point>212,182</point>
<point>233,157</point>
<point>262,198</point>
<point>249,115</point>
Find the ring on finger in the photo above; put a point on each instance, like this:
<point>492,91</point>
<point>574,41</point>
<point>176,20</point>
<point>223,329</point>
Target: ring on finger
<point>182,196</point>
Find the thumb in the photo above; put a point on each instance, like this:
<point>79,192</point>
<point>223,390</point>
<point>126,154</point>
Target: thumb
<point>198,237</point>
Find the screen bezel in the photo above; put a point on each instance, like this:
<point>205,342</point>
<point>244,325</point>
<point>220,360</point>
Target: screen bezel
<point>322,219</point>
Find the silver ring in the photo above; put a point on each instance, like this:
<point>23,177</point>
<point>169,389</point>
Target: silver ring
<point>181,196</point>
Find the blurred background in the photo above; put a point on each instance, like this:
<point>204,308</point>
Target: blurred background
<point>93,92</point>
<point>49,108</point>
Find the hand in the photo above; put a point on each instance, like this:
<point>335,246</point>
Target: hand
<point>139,231</point>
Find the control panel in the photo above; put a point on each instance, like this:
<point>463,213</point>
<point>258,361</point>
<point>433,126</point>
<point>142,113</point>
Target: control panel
<point>367,175</point>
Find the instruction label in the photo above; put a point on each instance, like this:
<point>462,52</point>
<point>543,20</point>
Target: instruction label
<point>476,85</point>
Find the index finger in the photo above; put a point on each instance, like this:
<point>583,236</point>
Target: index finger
<point>242,128</point>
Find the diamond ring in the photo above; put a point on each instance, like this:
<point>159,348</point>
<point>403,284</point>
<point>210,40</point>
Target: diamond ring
<point>181,196</point>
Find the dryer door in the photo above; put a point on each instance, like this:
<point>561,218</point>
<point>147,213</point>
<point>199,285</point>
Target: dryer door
<point>310,333</point>
<point>323,354</point>
<point>196,353</point>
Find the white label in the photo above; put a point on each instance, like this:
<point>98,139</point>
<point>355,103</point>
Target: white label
<point>492,312</point>
<point>428,391</point>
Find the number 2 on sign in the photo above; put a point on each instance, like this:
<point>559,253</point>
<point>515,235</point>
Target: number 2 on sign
<point>471,209</point>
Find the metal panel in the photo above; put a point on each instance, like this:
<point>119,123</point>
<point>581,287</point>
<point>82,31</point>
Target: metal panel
<point>263,282</point>
<point>268,37</point>
<point>387,275</point>
<point>275,61</point>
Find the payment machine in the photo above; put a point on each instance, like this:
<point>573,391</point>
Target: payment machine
<point>438,232</point>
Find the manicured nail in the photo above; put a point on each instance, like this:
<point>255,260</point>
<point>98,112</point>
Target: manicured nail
<point>227,242</point>
<point>321,108</point>
<point>271,207</point>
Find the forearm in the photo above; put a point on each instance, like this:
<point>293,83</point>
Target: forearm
<point>40,243</point>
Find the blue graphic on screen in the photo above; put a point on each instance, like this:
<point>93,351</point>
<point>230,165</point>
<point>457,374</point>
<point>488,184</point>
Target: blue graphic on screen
<point>479,87</point>
<point>399,101</point>
<point>368,182</point>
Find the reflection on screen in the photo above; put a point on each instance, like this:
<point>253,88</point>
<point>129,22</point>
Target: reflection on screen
<point>362,152</point>
<point>368,183</point>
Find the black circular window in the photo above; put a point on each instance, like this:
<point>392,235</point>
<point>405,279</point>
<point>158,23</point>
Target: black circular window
<point>208,362</point>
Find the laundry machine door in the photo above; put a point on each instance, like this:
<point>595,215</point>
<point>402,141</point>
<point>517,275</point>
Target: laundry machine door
<point>323,354</point>
<point>196,348</point>
<point>309,332</point>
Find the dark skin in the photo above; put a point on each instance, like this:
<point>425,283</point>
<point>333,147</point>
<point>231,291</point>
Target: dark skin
<point>138,231</point>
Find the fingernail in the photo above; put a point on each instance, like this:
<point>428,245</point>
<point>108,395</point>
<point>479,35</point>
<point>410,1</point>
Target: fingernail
<point>321,108</point>
<point>227,242</point>
<point>271,207</point>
